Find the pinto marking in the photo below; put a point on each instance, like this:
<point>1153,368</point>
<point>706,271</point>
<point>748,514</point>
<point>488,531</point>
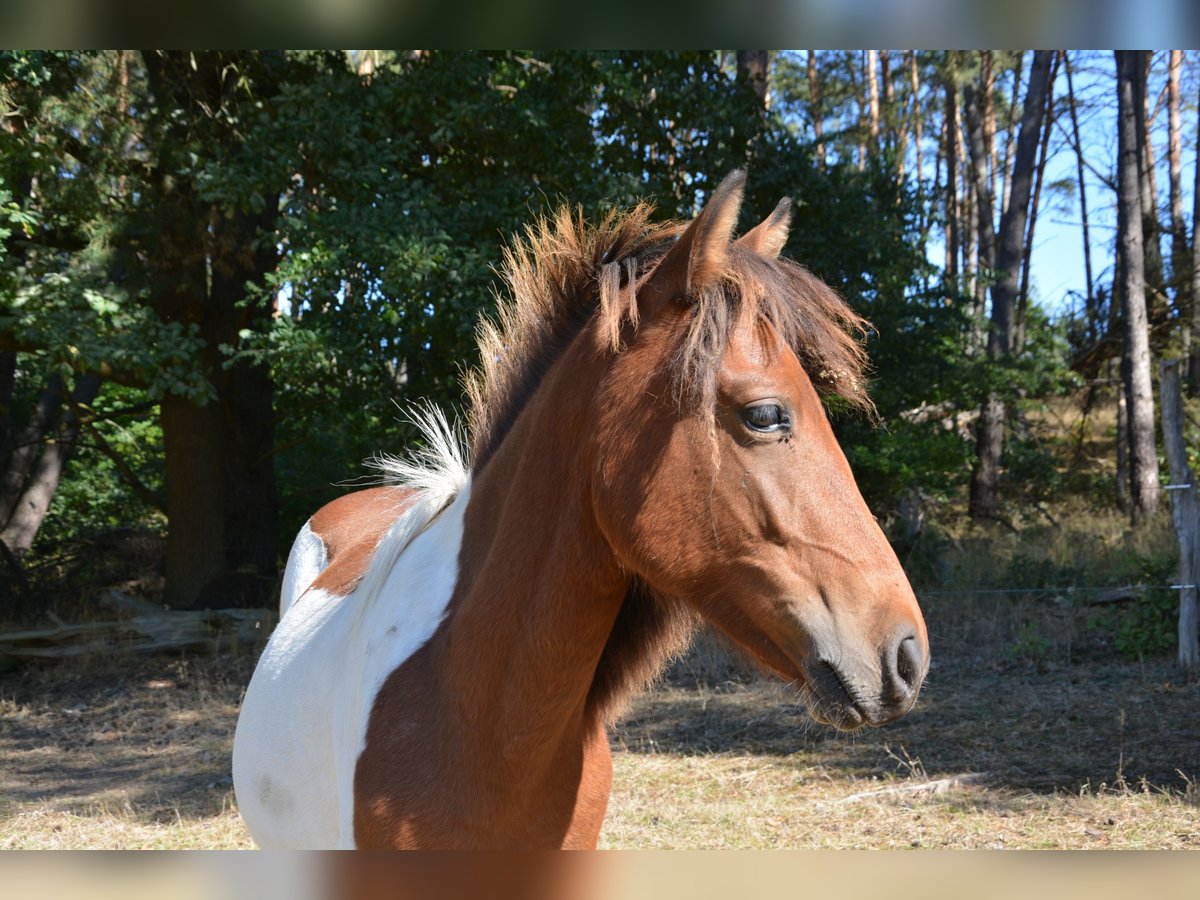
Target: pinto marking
<point>304,717</point>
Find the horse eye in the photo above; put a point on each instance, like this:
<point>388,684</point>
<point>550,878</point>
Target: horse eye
<point>766,417</point>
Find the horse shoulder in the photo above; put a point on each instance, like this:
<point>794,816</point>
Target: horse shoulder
<point>334,547</point>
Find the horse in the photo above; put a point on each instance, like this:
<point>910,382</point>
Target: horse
<point>649,448</point>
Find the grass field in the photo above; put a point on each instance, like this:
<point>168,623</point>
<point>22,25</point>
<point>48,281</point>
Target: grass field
<point>1013,744</point>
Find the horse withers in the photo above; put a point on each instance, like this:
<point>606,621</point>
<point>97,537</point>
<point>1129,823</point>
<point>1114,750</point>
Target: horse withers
<point>648,447</point>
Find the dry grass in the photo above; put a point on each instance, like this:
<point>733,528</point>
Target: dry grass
<point>121,753</point>
<point>1075,750</point>
<point>993,756</point>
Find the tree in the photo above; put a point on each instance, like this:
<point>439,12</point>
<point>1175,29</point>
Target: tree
<point>1139,393</point>
<point>752,68</point>
<point>1194,360</point>
<point>133,267</point>
<point>1001,253</point>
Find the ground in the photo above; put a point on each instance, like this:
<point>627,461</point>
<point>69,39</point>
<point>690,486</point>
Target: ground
<point>1013,744</point>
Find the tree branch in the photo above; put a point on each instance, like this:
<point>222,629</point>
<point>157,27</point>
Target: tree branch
<point>147,496</point>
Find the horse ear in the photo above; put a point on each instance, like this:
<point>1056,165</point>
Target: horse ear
<point>701,254</point>
<point>768,236</point>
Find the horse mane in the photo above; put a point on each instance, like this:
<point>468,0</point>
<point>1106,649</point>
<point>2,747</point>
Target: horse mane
<point>558,276</point>
<point>437,471</point>
<point>562,274</point>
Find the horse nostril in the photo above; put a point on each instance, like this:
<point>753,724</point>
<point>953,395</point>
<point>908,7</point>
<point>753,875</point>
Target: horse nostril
<point>908,662</point>
<point>903,670</point>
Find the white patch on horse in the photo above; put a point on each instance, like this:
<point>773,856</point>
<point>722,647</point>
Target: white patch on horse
<point>304,718</point>
<point>307,560</point>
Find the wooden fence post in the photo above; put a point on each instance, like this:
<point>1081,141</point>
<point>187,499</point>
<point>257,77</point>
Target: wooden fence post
<point>1185,514</point>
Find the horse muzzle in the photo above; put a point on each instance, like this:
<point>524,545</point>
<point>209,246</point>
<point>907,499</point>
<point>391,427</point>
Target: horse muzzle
<point>850,695</point>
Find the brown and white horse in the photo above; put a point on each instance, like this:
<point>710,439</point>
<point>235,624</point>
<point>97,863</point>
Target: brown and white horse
<point>648,446</point>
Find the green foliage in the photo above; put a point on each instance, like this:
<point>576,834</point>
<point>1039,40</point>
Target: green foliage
<point>1030,644</point>
<point>1148,627</point>
<point>858,231</point>
<point>97,497</point>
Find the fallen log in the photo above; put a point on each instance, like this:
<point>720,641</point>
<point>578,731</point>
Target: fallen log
<point>146,628</point>
<point>1124,594</point>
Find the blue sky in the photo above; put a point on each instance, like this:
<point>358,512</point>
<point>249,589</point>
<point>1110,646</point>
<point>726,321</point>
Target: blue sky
<point>1058,266</point>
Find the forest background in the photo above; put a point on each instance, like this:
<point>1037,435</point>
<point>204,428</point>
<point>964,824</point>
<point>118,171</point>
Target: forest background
<point>222,272</point>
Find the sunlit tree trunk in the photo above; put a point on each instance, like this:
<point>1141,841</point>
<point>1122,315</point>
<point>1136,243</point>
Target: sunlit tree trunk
<point>1124,497</point>
<point>1143,459</point>
<point>1011,131</point>
<point>987,80</point>
<point>815,109</point>
<point>1180,261</point>
<point>1027,258</point>
<point>1154,272</point>
<point>893,126</point>
<point>1091,310</point>
<point>872,76</point>
<point>1194,360</point>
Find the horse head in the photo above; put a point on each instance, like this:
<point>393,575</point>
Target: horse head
<point>718,482</point>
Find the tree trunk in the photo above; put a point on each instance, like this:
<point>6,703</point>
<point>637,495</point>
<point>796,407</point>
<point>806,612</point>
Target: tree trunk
<point>31,508</point>
<point>245,399</point>
<point>752,69</point>
<point>1143,460</point>
<point>915,83</point>
<point>1194,359</point>
<point>195,473</point>
<point>814,102</point>
<point>987,83</point>
<point>859,86</point>
<point>1179,262</point>
<point>8,380</point>
<point>1027,255</point>
<point>1181,275</point>
<point>1008,247</point>
<point>220,486</point>
<point>1091,310</point>
<point>968,220</point>
<point>976,264</point>
<point>1185,515</point>
<point>893,126</point>
<point>872,77</point>
<point>953,238</point>
<point>27,446</point>
<point>1153,272</point>
<point>1124,496</point>
<point>1010,133</point>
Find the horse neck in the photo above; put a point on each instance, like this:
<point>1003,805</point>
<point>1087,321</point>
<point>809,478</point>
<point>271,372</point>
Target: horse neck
<point>538,588</point>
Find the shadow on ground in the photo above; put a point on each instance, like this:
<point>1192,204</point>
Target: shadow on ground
<point>152,734</point>
<point>1028,724</point>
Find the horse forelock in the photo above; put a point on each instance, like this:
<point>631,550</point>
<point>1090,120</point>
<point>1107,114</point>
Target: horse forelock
<point>563,275</point>
<point>781,300</point>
